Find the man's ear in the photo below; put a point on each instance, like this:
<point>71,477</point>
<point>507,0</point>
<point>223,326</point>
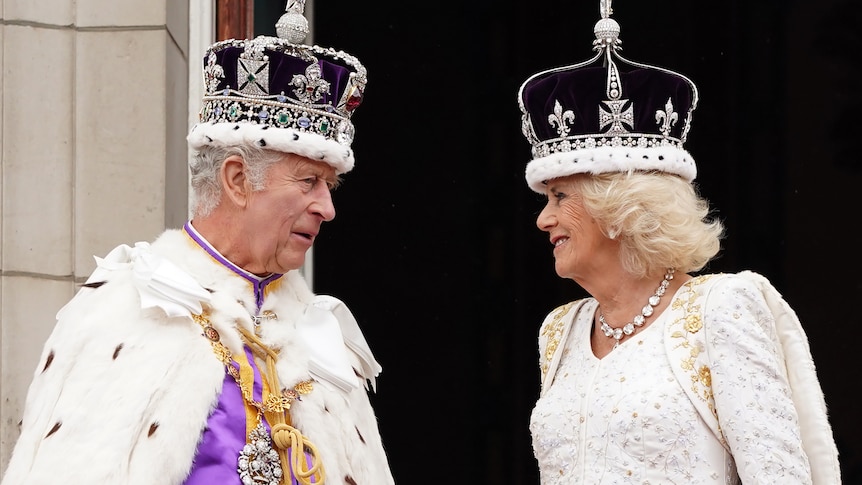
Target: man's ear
<point>234,182</point>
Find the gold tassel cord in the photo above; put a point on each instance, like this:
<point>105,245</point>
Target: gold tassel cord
<point>275,406</point>
<point>284,436</point>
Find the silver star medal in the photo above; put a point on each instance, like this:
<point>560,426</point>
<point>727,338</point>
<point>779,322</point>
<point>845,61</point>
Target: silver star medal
<point>258,462</point>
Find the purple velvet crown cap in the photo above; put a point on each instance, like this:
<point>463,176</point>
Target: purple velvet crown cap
<point>582,91</point>
<point>607,114</point>
<point>278,94</point>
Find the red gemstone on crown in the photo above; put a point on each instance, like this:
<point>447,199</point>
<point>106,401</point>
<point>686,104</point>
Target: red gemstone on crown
<point>354,100</point>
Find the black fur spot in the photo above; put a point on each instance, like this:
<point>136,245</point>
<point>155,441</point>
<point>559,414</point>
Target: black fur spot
<point>295,137</point>
<point>262,142</point>
<point>361,438</point>
<point>235,127</point>
<point>48,361</point>
<point>153,428</point>
<point>117,351</point>
<point>209,140</point>
<point>94,284</point>
<point>56,427</point>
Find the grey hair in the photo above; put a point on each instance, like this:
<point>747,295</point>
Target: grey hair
<point>660,220</point>
<point>206,164</point>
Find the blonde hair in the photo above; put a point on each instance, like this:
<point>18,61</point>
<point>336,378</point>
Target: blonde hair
<point>659,219</point>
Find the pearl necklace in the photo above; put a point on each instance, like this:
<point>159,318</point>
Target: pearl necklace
<point>629,328</point>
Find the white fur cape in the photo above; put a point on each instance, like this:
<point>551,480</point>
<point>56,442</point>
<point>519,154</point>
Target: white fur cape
<point>121,395</point>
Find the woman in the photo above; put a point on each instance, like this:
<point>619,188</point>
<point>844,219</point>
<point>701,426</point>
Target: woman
<point>659,376</point>
<point>621,234</point>
<point>631,240</point>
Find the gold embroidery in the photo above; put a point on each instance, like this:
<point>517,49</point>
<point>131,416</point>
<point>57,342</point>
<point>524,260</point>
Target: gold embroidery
<point>553,332</point>
<point>685,334</point>
<point>689,324</point>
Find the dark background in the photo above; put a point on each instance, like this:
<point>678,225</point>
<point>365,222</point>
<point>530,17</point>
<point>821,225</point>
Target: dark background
<point>435,248</point>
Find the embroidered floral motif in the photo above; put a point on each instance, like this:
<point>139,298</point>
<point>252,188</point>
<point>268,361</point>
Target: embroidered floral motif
<point>691,323</point>
<point>553,333</point>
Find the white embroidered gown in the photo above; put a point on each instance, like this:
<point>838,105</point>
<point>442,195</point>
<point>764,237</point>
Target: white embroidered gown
<point>625,419</point>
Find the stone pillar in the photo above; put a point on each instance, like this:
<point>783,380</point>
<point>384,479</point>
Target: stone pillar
<point>93,118</point>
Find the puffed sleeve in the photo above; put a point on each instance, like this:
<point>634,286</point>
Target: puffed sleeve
<point>750,385</point>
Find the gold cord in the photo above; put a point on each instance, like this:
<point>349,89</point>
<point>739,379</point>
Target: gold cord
<point>275,405</point>
<point>284,436</point>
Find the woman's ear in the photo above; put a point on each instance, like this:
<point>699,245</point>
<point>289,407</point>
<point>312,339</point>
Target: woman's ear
<point>235,183</point>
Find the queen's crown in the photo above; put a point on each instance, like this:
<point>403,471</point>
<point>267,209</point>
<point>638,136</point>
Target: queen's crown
<point>606,101</point>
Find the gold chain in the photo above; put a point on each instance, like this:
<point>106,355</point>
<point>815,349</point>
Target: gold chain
<point>275,405</point>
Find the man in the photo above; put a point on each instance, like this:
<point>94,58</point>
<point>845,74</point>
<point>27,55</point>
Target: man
<point>204,357</point>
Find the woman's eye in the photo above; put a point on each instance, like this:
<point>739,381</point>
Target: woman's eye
<point>559,196</point>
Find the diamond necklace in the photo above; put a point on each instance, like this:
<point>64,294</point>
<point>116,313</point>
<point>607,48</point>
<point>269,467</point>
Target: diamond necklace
<point>629,328</point>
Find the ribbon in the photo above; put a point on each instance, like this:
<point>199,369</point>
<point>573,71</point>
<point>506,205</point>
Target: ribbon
<point>160,283</point>
<point>321,332</point>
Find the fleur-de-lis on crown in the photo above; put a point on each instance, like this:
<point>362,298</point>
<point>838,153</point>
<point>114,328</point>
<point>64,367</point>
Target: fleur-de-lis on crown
<point>213,73</point>
<point>310,87</point>
<point>561,119</point>
<point>666,118</point>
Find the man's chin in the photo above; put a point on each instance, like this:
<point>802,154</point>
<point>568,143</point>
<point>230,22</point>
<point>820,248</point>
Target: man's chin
<point>291,262</point>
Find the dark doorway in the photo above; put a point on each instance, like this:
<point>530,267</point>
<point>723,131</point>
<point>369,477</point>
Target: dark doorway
<point>435,249</point>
